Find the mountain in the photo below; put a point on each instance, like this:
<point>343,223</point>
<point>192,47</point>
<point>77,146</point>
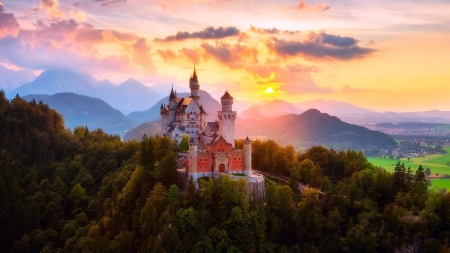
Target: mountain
<point>254,112</point>
<point>51,82</point>
<point>313,128</point>
<point>129,96</point>
<point>210,105</point>
<point>272,108</point>
<point>11,79</point>
<point>80,110</point>
<point>333,107</point>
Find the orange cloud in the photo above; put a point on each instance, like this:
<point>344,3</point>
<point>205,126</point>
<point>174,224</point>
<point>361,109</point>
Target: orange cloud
<point>304,6</point>
<point>52,9</point>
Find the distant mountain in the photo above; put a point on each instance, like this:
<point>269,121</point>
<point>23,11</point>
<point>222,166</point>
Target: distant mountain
<point>272,108</point>
<point>51,82</point>
<point>80,110</point>
<point>129,96</point>
<point>11,79</point>
<point>253,112</point>
<point>210,105</point>
<point>313,128</point>
<point>332,107</point>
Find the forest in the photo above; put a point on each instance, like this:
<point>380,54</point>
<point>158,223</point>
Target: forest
<point>83,190</point>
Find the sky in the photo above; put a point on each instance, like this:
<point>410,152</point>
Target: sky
<point>383,55</point>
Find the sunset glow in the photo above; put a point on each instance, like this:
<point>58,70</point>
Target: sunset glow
<point>269,90</point>
<point>374,54</point>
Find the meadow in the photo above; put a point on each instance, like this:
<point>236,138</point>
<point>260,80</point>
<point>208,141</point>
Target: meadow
<point>436,162</point>
<point>442,127</point>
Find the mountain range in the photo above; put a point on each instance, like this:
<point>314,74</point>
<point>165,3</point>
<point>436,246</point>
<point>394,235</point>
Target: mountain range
<point>210,105</point>
<point>313,128</point>
<point>11,79</point>
<point>80,110</point>
<point>307,129</point>
<point>127,97</point>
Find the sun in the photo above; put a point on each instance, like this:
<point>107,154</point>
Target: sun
<point>269,90</point>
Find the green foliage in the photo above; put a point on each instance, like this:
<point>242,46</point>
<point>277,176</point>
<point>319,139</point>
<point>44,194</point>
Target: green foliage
<point>184,144</point>
<point>90,192</point>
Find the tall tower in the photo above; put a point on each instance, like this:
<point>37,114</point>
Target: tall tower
<point>248,157</point>
<point>194,86</point>
<point>193,155</point>
<point>226,118</point>
<point>172,105</point>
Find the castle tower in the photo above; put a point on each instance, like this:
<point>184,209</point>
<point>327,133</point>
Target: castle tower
<point>172,105</point>
<point>193,155</point>
<point>194,86</point>
<point>226,118</point>
<point>248,157</point>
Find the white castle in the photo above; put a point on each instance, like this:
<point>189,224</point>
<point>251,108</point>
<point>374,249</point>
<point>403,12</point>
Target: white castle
<point>211,149</point>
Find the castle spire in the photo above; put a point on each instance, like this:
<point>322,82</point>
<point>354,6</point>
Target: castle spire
<point>172,94</point>
<point>194,76</point>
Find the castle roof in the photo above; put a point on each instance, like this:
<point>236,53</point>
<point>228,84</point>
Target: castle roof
<point>213,125</point>
<point>172,94</point>
<point>227,95</point>
<point>194,77</point>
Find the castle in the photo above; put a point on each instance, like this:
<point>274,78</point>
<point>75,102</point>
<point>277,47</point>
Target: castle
<point>211,149</point>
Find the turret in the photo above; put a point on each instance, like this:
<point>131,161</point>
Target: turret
<point>248,157</point>
<point>172,105</point>
<point>226,118</point>
<point>194,86</point>
<point>227,102</point>
<point>193,155</point>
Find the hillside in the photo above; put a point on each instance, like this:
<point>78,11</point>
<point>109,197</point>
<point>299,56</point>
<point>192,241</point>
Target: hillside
<point>210,105</point>
<point>80,110</point>
<point>150,129</point>
<point>312,128</point>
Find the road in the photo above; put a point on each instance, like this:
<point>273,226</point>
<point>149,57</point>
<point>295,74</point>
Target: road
<point>301,186</point>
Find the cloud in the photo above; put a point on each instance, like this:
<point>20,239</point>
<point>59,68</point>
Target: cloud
<point>167,55</point>
<point>347,88</point>
<point>8,23</point>
<point>304,6</point>
<point>141,55</point>
<point>320,46</point>
<point>73,45</point>
<point>208,33</point>
<point>192,54</point>
<point>87,34</point>
<point>232,55</point>
<point>78,15</point>
<point>52,9</point>
<point>264,30</point>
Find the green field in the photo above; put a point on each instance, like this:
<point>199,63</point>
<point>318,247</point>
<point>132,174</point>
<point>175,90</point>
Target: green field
<point>437,164</point>
<point>442,127</point>
<point>440,183</point>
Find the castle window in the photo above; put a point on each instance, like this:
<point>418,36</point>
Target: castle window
<point>235,158</point>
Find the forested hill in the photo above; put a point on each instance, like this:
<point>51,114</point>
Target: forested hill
<point>86,111</point>
<point>87,191</point>
<point>313,128</point>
